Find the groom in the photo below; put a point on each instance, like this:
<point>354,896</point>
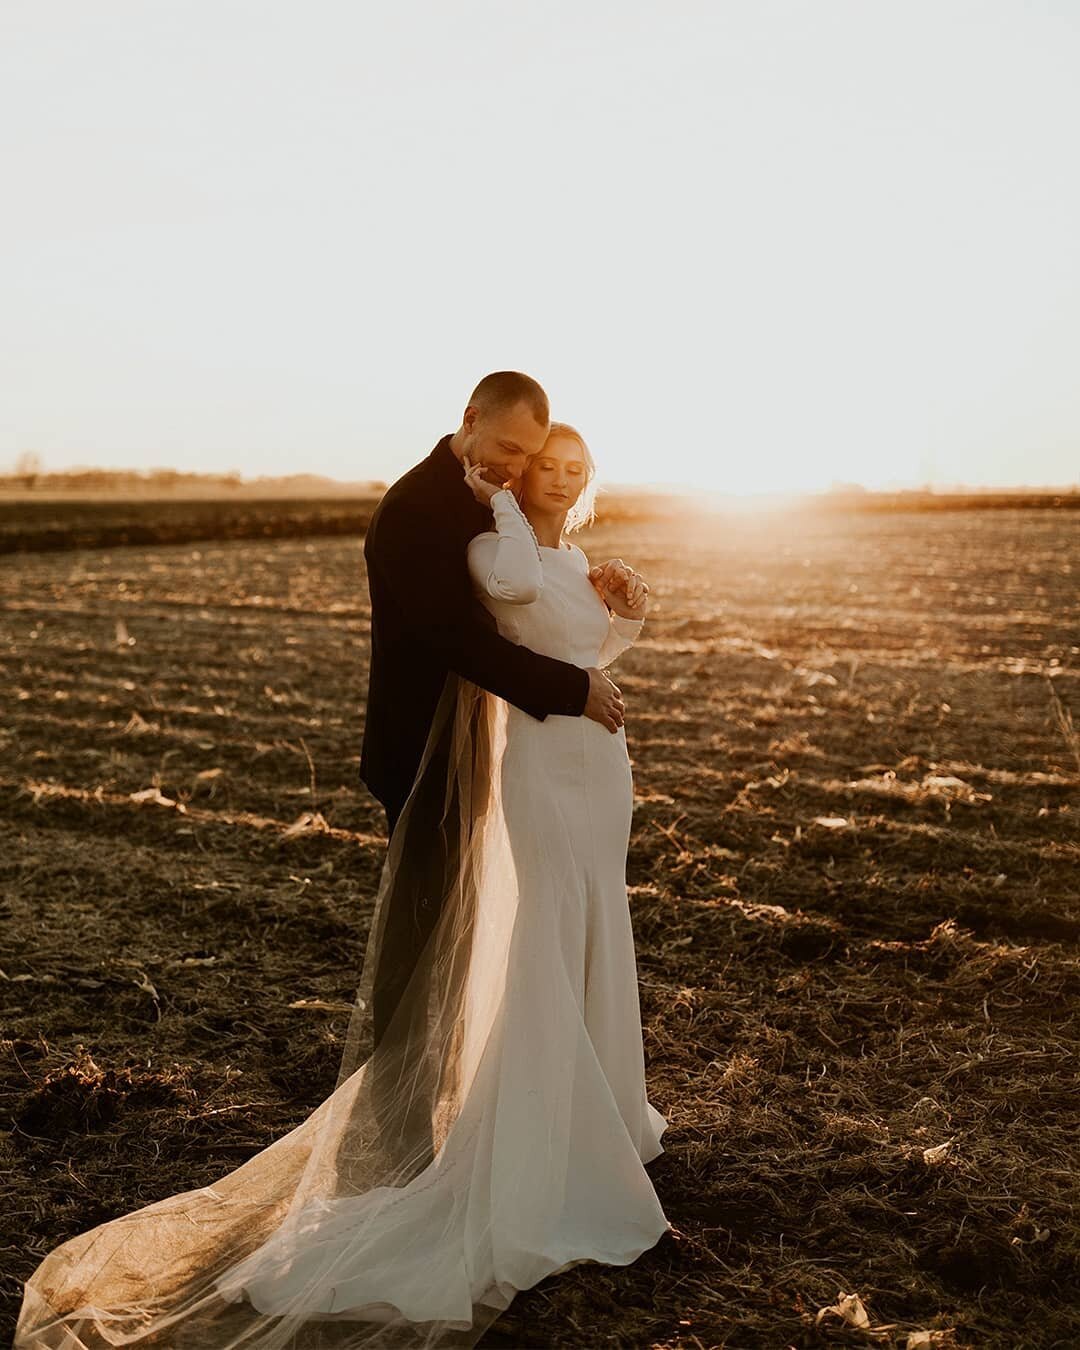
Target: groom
<point>425,622</point>
<point>425,619</point>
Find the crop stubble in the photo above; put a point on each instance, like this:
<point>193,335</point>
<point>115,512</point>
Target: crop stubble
<point>853,881</point>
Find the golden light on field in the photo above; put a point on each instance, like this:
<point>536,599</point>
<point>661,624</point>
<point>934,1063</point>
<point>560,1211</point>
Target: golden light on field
<point>745,247</point>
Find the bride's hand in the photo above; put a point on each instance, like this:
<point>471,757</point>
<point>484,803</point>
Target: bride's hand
<point>479,486</point>
<point>623,590</point>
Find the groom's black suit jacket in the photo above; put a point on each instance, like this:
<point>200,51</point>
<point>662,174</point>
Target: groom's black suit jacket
<point>426,620</point>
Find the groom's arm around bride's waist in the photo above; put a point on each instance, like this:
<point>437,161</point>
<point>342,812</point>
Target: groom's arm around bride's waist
<point>420,561</point>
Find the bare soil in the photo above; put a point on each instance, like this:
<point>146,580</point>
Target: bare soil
<point>853,879</point>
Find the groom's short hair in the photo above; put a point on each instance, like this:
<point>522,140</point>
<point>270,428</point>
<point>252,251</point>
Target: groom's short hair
<point>504,389</point>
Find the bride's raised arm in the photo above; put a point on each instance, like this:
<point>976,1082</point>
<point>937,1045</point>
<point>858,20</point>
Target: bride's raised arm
<point>505,563</point>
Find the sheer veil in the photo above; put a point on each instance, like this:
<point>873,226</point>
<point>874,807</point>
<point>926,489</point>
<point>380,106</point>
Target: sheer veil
<point>297,1246</point>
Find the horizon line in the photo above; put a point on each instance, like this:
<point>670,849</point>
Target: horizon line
<point>667,488</point>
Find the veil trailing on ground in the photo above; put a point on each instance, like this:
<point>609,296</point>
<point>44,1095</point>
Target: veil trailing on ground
<point>295,1247</point>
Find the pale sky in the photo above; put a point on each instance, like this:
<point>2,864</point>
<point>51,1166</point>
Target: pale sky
<point>743,245</point>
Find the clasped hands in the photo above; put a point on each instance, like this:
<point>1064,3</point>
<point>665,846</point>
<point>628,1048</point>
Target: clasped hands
<point>623,590</point>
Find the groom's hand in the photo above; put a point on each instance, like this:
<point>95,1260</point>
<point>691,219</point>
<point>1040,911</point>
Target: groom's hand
<point>605,702</point>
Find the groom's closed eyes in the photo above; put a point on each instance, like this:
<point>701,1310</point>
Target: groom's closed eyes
<point>512,451</point>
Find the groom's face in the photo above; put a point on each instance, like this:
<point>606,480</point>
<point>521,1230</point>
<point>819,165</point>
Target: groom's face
<point>503,441</point>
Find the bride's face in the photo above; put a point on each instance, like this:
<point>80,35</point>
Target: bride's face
<point>555,478</point>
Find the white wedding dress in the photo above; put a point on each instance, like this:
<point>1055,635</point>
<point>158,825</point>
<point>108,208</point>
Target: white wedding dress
<point>542,1166</point>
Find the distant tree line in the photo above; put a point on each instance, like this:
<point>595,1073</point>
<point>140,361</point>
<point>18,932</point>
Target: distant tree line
<point>29,475</point>
<point>172,483</point>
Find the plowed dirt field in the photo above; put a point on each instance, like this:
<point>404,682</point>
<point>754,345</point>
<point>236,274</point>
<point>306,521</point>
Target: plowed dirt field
<point>854,881</point>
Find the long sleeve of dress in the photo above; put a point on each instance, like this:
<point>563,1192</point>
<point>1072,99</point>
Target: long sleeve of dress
<point>622,634</point>
<point>505,563</point>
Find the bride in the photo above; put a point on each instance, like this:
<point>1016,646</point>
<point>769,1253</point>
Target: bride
<point>495,1131</point>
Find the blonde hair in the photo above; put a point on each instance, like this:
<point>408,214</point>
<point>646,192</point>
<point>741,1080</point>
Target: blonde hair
<point>583,511</point>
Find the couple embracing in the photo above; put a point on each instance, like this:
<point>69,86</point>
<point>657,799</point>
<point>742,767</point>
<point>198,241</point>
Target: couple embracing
<point>490,1125</point>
